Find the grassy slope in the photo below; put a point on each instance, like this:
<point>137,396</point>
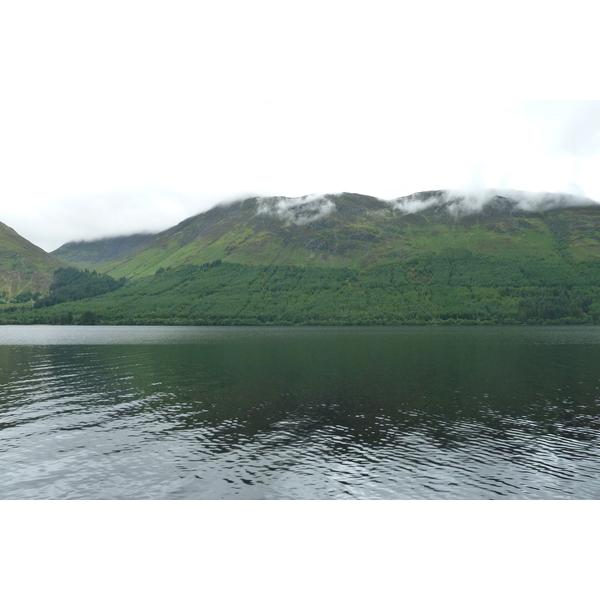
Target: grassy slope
<point>363,232</point>
<point>23,266</point>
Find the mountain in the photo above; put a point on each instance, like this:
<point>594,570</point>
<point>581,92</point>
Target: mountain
<point>357,231</point>
<point>434,257</point>
<point>85,254</point>
<point>23,266</point>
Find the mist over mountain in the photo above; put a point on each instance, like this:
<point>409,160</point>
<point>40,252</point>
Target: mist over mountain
<point>344,230</point>
<point>457,203</point>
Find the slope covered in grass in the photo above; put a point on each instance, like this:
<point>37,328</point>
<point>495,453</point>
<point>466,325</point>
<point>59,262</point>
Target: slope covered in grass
<point>355,231</point>
<point>23,266</point>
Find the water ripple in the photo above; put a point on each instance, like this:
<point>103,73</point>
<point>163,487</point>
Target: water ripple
<point>154,421</point>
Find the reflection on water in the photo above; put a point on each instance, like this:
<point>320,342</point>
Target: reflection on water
<point>153,412</point>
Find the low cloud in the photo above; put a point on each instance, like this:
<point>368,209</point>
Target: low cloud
<point>467,201</point>
<point>471,202</point>
<point>418,202</point>
<point>297,211</point>
<point>107,214</point>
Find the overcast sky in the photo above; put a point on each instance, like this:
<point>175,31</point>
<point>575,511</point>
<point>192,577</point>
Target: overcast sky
<point>117,117</point>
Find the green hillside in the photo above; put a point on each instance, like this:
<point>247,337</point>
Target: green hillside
<point>429,258</point>
<point>350,230</point>
<point>23,266</point>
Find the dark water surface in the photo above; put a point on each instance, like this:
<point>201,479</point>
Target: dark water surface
<point>331,412</point>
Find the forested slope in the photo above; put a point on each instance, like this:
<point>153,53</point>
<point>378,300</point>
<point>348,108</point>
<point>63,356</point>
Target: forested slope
<point>447,288</point>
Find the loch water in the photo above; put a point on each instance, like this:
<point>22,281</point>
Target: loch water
<point>299,412</point>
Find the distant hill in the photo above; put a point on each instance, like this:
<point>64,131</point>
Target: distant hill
<point>23,266</point>
<point>88,254</point>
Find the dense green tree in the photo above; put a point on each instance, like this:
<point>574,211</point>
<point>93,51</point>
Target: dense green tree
<point>70,284</point>
<point>446,288</point>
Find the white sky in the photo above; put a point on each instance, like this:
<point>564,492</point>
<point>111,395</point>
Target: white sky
<point>117,117</point>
